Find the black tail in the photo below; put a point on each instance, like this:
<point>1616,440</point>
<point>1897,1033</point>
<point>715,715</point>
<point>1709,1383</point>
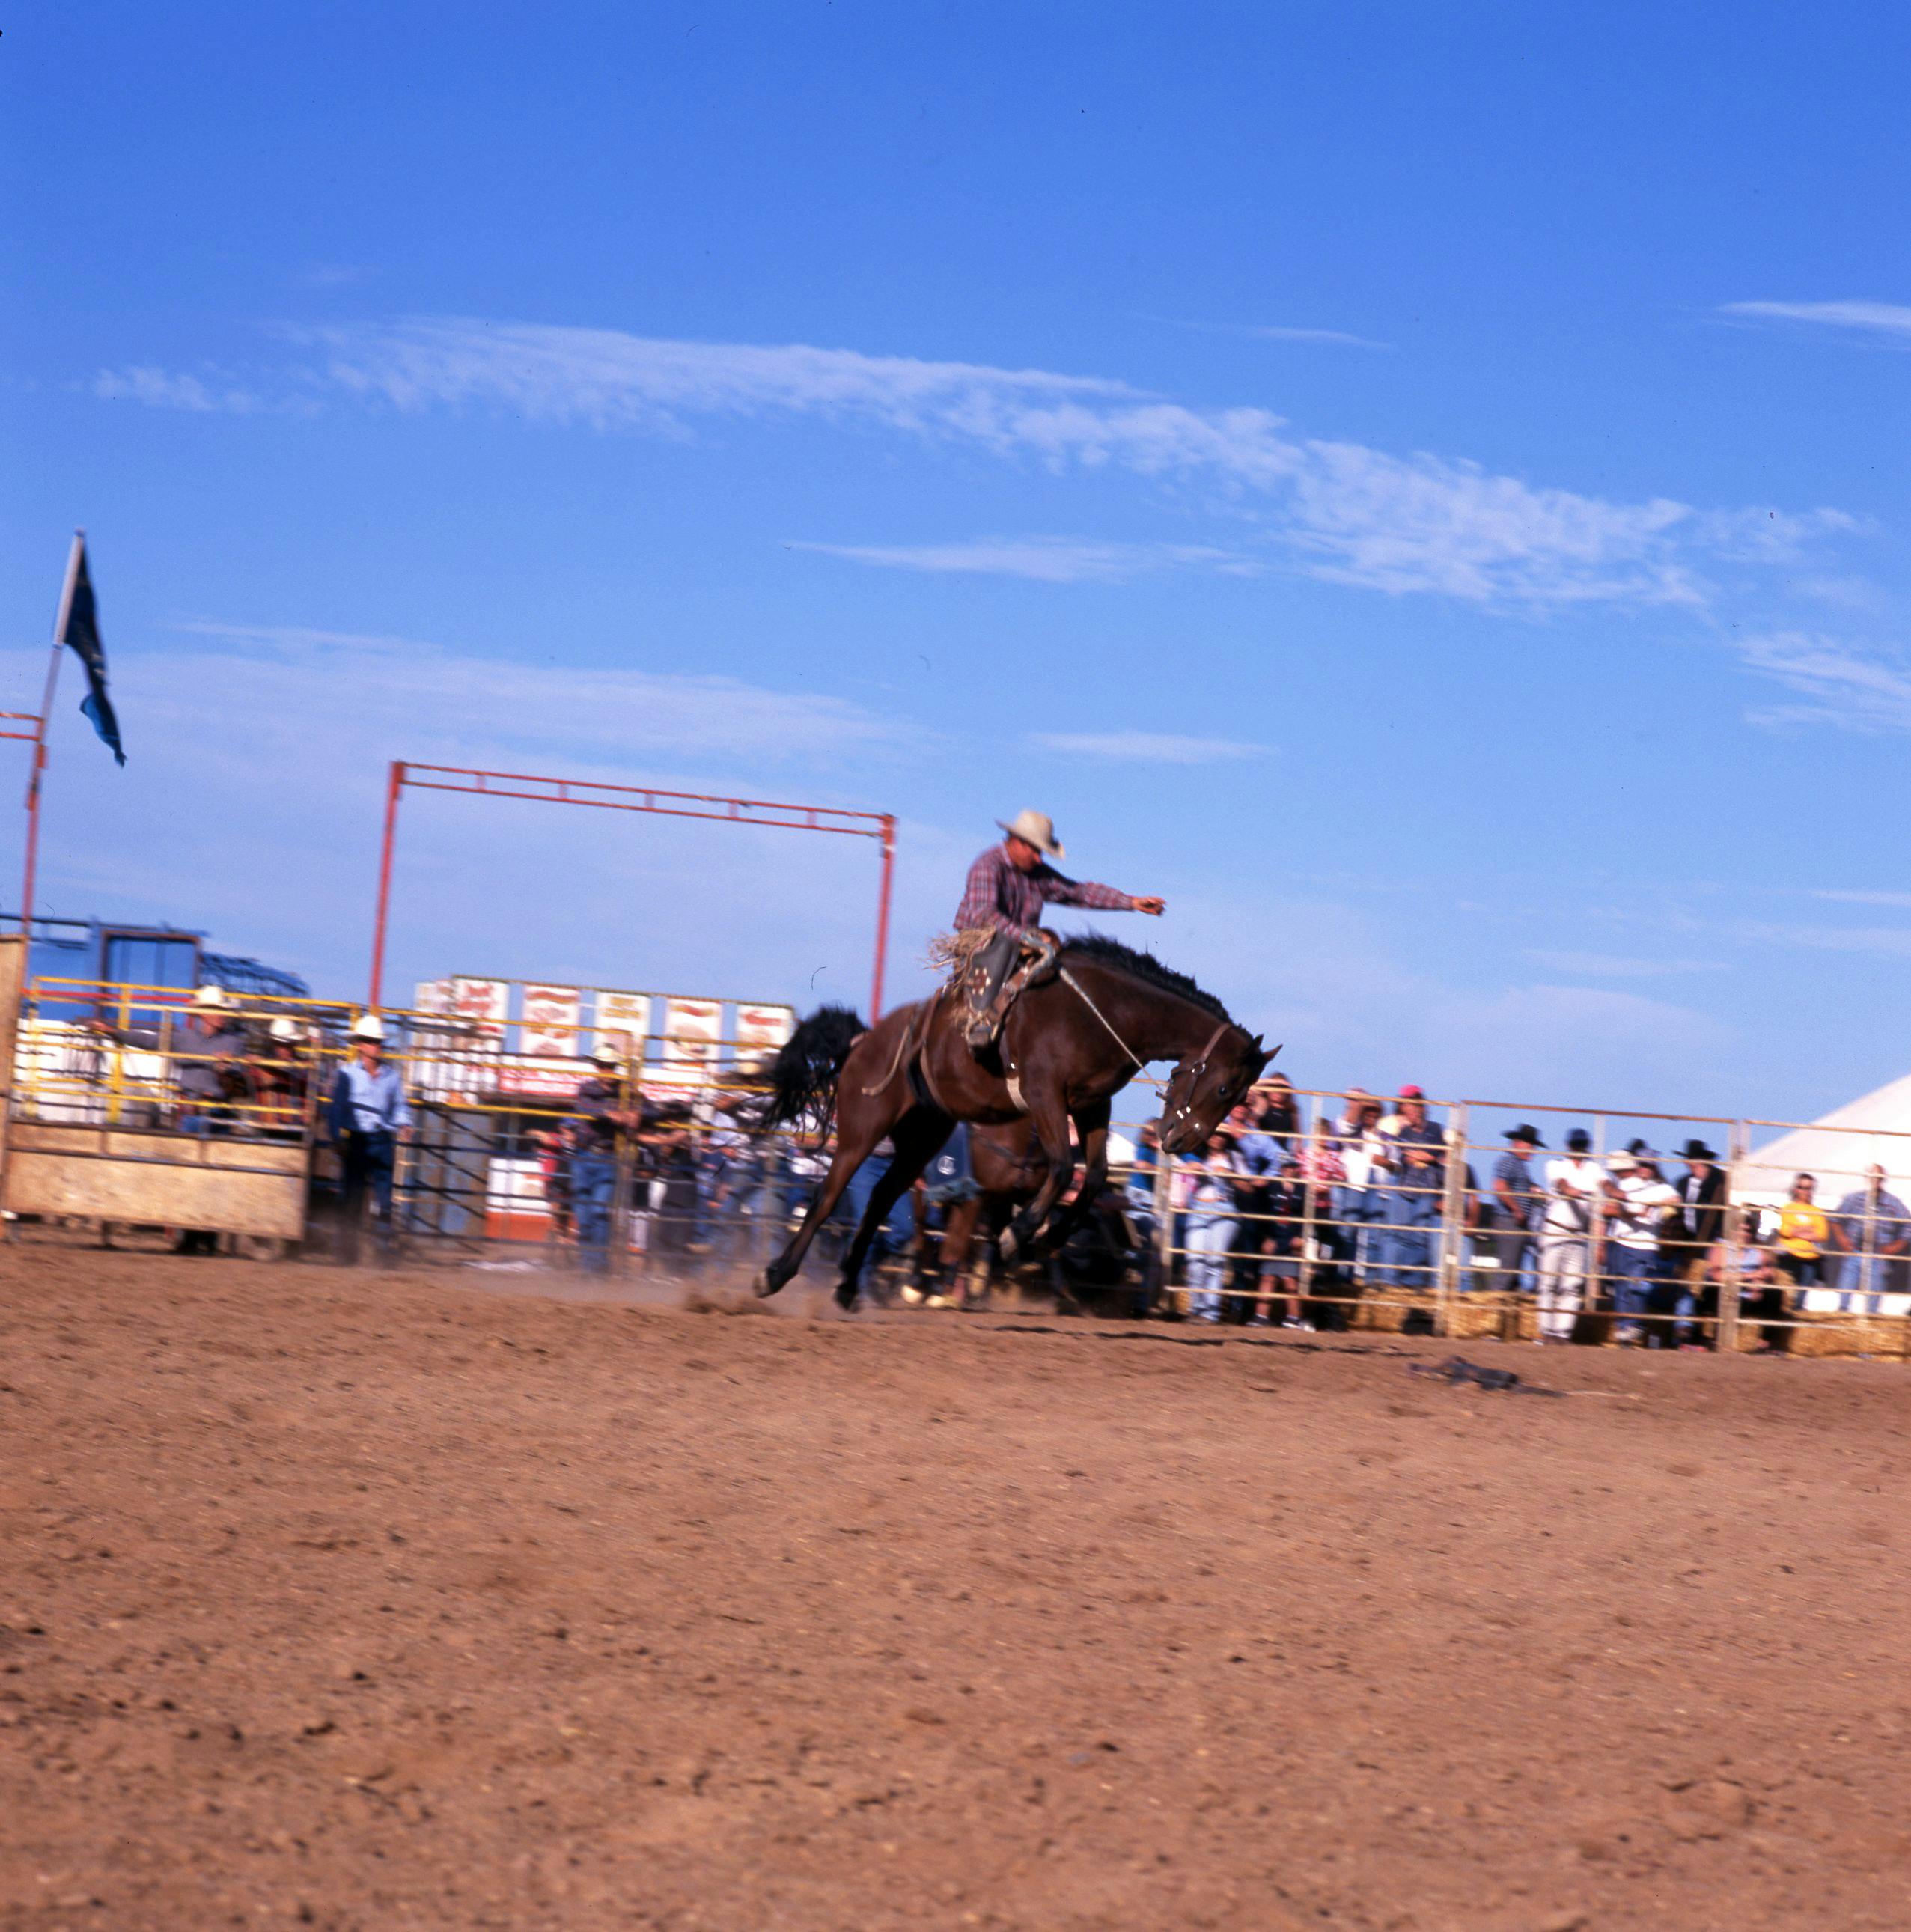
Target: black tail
<point>803,1079</point>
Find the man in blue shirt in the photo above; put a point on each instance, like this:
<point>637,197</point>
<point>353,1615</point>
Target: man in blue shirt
<point>366,1114</point>
<point>1517,1199</point>
<point>1872,1228</point>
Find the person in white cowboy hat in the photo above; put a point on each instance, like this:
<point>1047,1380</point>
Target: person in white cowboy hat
<point>1008,885</point>
<point>209,1076</point>
<point>367,1113</point>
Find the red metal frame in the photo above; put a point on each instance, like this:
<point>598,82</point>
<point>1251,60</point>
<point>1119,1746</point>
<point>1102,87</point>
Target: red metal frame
<point>877,825</point>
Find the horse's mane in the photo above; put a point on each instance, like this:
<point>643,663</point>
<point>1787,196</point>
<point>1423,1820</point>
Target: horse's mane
<point>1103,951</point>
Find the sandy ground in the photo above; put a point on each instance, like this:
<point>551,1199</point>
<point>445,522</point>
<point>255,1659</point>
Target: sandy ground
<point>378,1601</point>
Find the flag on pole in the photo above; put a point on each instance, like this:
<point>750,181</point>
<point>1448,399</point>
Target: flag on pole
<point>79,626</point>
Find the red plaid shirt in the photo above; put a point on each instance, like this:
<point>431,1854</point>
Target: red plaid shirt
<point>997,895</point>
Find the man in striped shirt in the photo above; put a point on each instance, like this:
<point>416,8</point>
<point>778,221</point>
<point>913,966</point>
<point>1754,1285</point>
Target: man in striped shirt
<point>1008,885</point>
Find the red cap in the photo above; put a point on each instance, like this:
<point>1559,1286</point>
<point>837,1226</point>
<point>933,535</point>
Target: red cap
<point>1413,1093</point>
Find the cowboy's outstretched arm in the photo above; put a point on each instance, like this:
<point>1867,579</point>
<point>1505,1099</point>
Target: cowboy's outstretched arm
<point>1097,898</point>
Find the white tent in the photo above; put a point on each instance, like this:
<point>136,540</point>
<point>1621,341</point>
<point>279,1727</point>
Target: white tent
<point>1836,1150</point>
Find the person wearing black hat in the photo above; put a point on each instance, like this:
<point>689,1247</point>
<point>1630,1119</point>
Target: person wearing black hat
<point>1575,1186</point>
<point>1517,1199</point>
<point>1687,1241</point>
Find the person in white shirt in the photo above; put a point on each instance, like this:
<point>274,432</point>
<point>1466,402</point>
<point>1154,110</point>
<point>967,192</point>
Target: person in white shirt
<point>1638,1197</point>
<point>1575,1183</point>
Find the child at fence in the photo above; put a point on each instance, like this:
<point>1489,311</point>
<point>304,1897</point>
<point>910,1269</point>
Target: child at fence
<point>1212,1224</point>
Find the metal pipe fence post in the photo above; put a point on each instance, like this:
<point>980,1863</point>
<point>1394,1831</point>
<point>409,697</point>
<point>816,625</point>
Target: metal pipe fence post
<point>1309,1194</point>
<point>1725,1338</point>
<point>625,1166</point>
<point>1453,1219</point>
<point>1164,1215</point>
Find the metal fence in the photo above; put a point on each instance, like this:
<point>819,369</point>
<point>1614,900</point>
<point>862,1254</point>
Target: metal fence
<point>1348,1211</point>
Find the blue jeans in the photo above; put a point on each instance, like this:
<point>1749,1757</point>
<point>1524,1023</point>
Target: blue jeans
<point>1407,1257</point>
<point>1355,1242</point>
<point>1632,1271</point>
<point>1862,1283</point>
<point>593,1188</point>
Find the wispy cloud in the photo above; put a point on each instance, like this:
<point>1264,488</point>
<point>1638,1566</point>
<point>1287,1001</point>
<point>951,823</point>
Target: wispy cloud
<point>350,684</point>
<point>1347,512</point>
<point>1889,321</point>
<point>1159,747</point>
<point>1899,901</point>
<point>1614,966</point>
<point>1268,331</point>
<point>1882,942</point>
<point>1837,682</point>
<point>210,391</point>
<point>1042,560</point>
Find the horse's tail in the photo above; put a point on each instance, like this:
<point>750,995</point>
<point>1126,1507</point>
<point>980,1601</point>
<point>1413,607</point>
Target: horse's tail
<point>803,1079</point>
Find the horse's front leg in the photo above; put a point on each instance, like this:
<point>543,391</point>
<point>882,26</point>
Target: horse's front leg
<point>1049,1118</point>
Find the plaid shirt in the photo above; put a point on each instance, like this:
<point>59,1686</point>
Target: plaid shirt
<point>997,895</point>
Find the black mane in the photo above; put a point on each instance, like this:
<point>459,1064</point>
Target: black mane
<point>1103,951</point>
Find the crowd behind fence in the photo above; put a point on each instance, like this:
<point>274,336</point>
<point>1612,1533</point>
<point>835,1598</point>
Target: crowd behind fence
<point>1307,1208</point>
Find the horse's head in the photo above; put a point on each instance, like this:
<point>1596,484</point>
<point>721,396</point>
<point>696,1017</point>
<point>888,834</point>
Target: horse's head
<point>1203,1086</point>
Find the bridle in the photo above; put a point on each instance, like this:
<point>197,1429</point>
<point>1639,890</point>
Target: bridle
<point>1195,1069</point>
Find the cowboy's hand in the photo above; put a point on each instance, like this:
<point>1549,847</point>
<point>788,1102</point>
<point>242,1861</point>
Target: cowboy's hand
<point>1154,906</point>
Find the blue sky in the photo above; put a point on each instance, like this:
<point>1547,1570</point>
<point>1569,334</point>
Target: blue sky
<point>1424,494</point>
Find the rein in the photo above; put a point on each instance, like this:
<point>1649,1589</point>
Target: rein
<point>1196,1067</point>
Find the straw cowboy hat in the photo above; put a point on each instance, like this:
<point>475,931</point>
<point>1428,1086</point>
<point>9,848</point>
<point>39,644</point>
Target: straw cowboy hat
<point>368,1026</point>
<point>607,1056</point>
<point>209,999</point>
<point>1038,829</point>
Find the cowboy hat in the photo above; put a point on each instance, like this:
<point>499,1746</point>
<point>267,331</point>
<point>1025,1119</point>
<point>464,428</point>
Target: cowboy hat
<point>209,999</point>
<point>286,1030</point>
<point>607,1056</point>
<point>1525,1131</point>
<point>1697,1150</point>
<point>368,1026</point>
<point>1037,829</point>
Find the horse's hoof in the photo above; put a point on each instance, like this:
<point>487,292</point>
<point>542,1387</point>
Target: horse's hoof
<point>766,1285</point>
<point>1008,1247</point>
<point>846,1295</point>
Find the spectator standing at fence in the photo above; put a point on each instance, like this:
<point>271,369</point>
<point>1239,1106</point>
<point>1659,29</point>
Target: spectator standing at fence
<point>1638,1200</point>
<point>1690,1239</point>
<point>1212,1225</point>
<point>1517,1200</point>
<point>591,1162</point>
<point>1871,1227</point>
<point>1574,1185</point>
<point>1322,1177</point>
<point>1260,1155</point>
<point>1271,1105</point>
<point>368,1113</point>
<point>1357,1200</point>
<point>208,1074</point>
<point>1797,1253</point>
<point>1414,1154</point>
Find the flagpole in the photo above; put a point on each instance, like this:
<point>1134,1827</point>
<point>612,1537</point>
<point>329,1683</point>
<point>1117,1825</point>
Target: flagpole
<point>73,556</point>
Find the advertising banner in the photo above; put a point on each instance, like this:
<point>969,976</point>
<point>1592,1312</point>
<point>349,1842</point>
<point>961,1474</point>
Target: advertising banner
<point>547,1063</point>
<point>547,1025</point>
<point>623,1023</point>
<point>760,1030</point>
<point>693,1042</point>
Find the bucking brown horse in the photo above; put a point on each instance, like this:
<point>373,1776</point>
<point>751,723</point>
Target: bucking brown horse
<point>1069,1045</point>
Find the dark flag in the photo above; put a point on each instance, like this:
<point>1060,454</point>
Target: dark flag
<point>79,626</point>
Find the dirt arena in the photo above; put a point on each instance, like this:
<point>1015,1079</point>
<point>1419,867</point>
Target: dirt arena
<point>369,1601</point>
